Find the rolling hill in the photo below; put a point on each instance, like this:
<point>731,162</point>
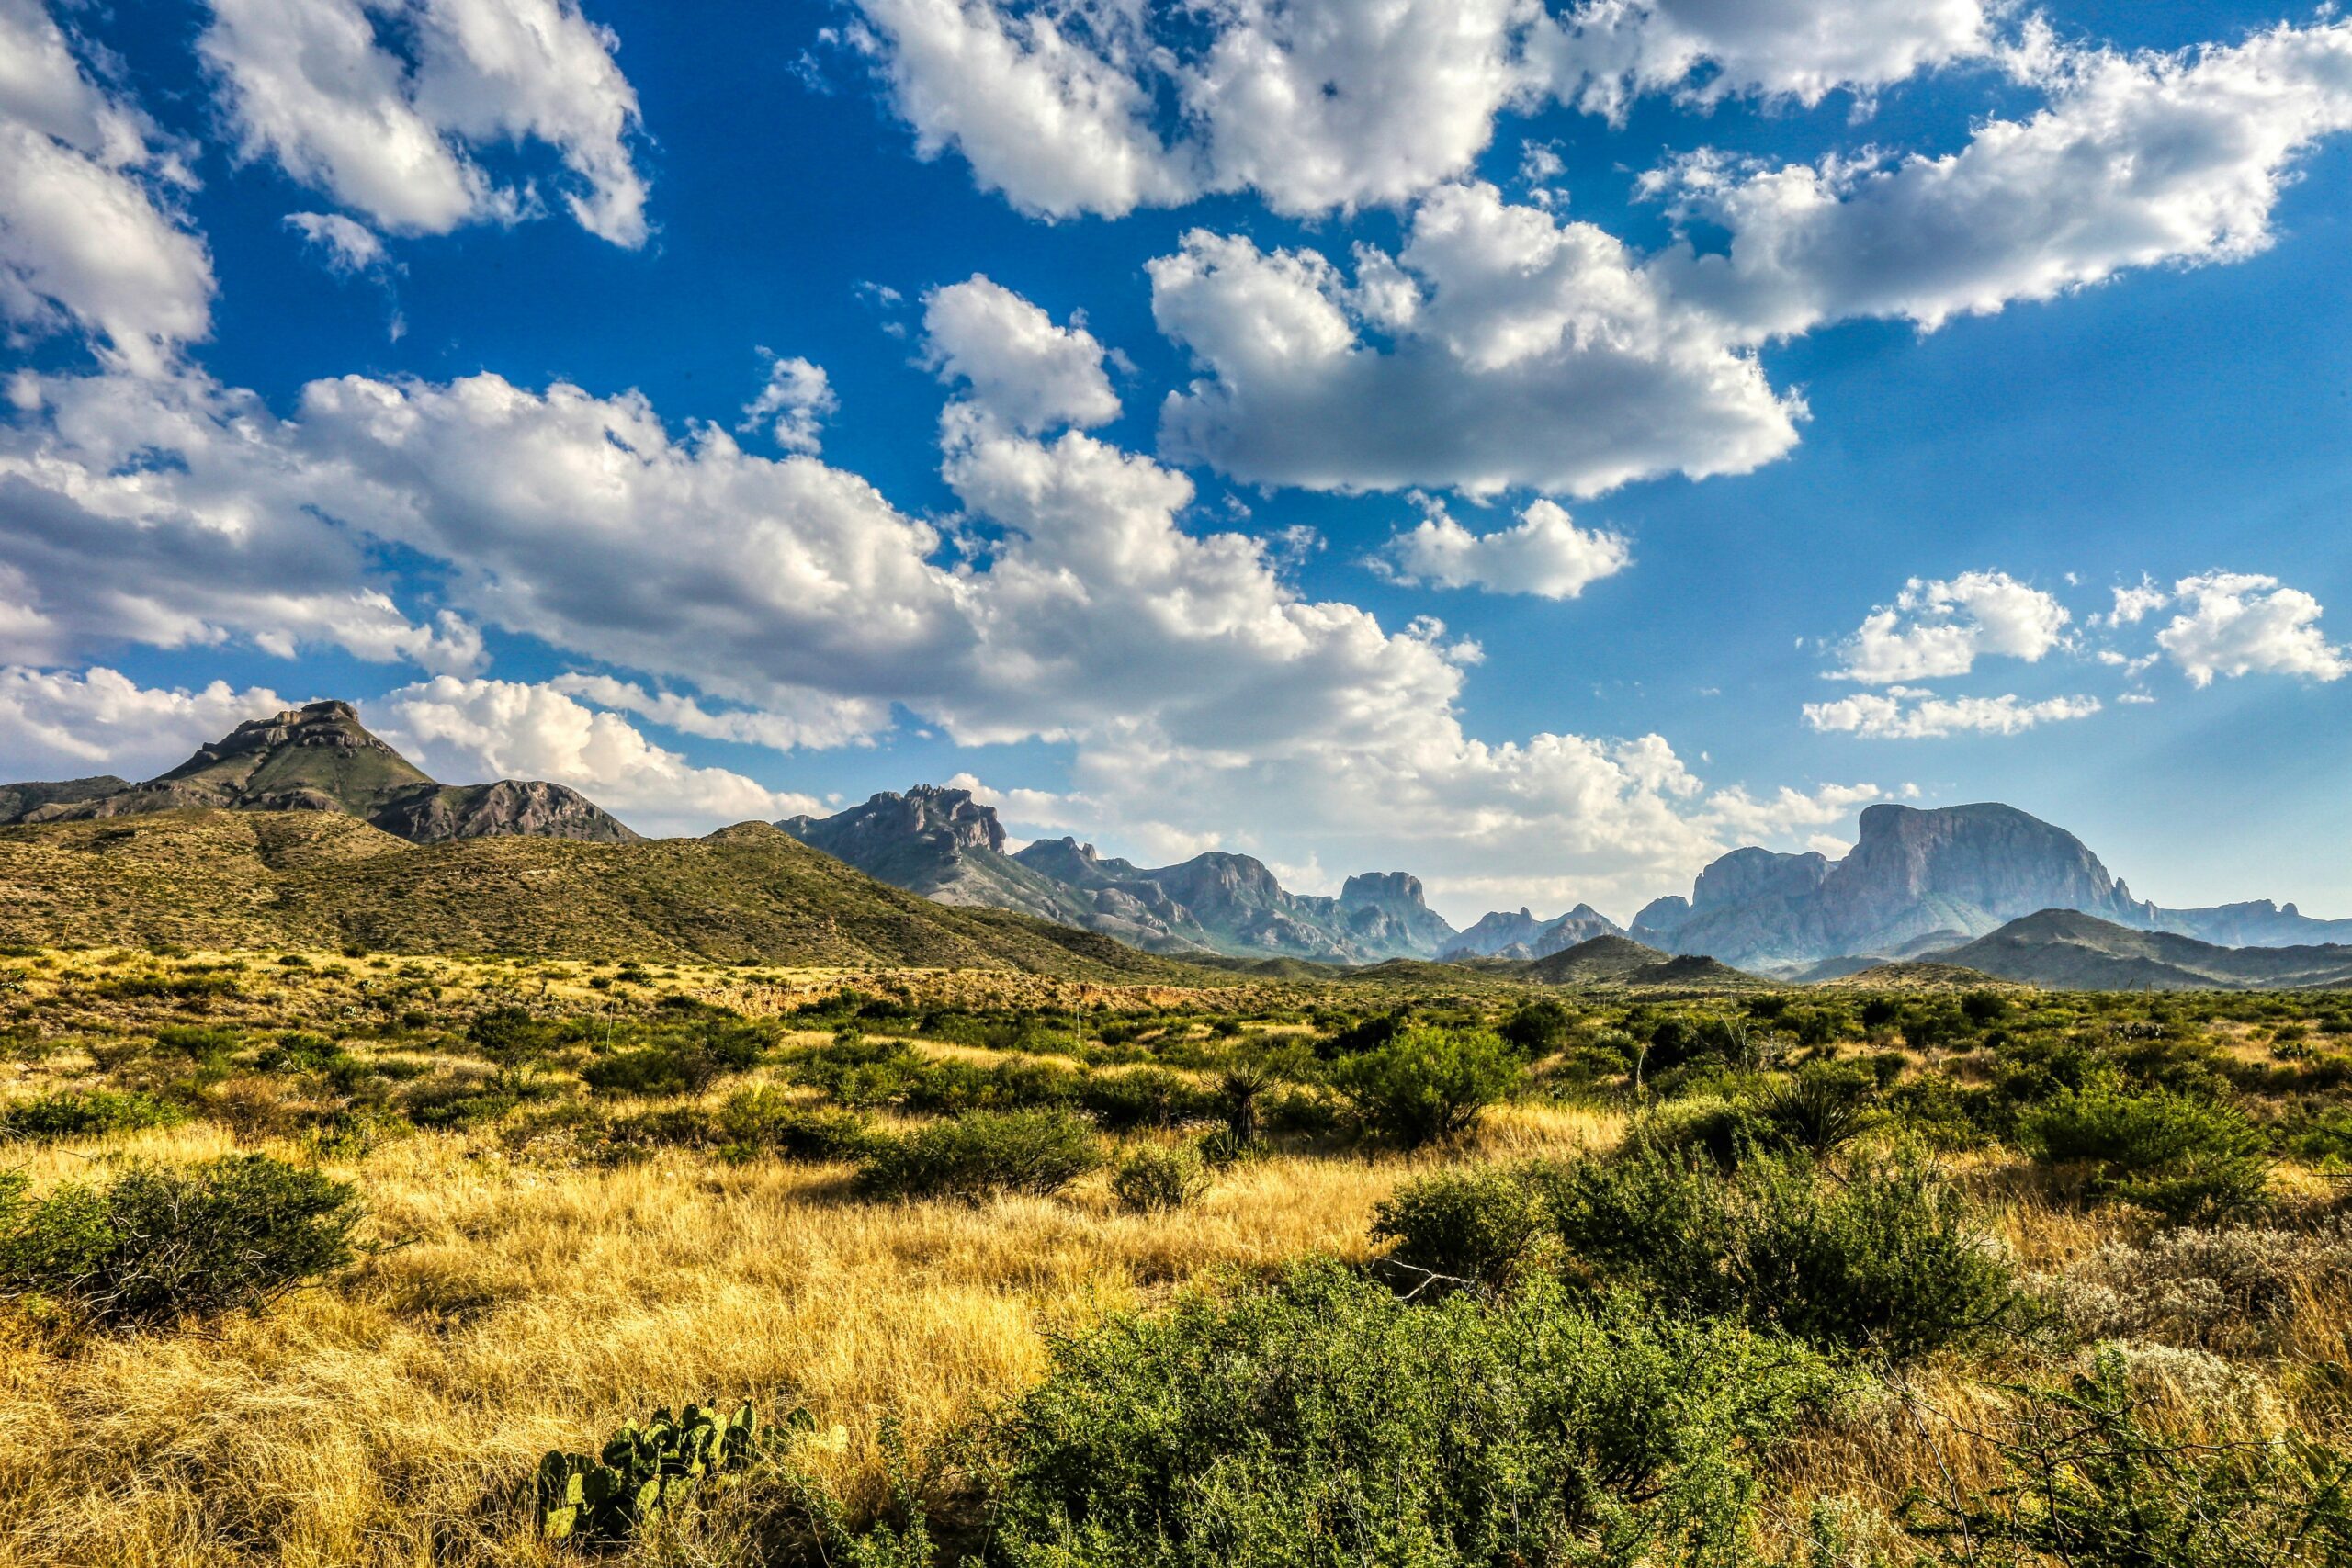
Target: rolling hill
<point>2066,950</point>
<point>218,878</point>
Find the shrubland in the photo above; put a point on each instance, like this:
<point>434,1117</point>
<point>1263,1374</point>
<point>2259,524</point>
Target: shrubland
<point>344,1257</point>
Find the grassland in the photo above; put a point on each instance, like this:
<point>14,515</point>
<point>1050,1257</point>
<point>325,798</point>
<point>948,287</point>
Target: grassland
<point>556,1237</point>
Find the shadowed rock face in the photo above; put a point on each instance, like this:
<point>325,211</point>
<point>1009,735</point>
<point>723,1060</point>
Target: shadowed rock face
<point>1948,874</point>
<point>320,757</point>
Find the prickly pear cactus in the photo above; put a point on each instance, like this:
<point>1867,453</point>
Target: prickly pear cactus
<point>645,1472</point>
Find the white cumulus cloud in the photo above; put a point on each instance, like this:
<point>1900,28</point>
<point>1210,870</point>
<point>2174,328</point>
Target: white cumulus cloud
<point>1942,627</point>
<point>1905,713</point>
<point>59,724</point>
<point>383,105</point>
<point>2235,624</point>
<point>1521,351</point>
<point>87,236</point>
<point>1014,360</point>
<point>1544,554</point>
<point>468,731</point>
<point>793,404</point>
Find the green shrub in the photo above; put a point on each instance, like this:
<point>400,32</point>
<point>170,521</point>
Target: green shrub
<point>2184,1156</point>
<point>1144,1097</point>
<point>983,1153</point>
<point>1322,1420</point>
<point>1154,1180</point>
<point>1425,1084</point>
<point>1479,1224</point>
<point>157,1243</point>
<point>447,1104</point>
<point>1537,1027</point>
<point>65,1114</point>
<point>1888,1257</point>
<point>764,1120</point>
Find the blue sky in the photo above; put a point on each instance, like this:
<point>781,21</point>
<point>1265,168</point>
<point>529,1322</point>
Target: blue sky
<point>1768,400</point>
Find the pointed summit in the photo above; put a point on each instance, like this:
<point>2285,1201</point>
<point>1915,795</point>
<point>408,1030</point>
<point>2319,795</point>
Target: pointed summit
<point>319,757</point>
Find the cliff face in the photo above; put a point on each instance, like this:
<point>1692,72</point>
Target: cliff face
<point>1385,911</point>
<point>320,757</point>
<point>1915,877</point>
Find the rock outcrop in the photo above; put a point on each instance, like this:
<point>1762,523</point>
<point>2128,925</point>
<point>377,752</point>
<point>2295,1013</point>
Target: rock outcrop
<point>320,757</point>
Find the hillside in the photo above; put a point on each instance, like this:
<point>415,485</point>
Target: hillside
<point>215,878</point>
<point>1620,961</point>
<point>320,757</point>
<point>2064,950</point>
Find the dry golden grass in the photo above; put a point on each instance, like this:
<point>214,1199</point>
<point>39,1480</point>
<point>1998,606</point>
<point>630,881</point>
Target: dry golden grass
<point>518,1309</point>
<point>520,1301</point>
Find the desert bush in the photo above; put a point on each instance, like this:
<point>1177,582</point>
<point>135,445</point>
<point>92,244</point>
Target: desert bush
<point>1888,1257</point>
<point>1322,1420</point>
<point>157,1245</point>
<point>765,1120</point>
<point>981,1154</point>
<point>1425,1084</point>
<point>1537,1027</point>
<point>66,1113</point>
<point>457,1099</point>
<point>1144,1097</point>
<point>1154,1180</point>
<point>1480,1223</point>
<point>2096,1473</point>
<point>2224,1290</point>
<point>2184,1156</point>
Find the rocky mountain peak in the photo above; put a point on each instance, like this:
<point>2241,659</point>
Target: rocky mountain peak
<point>1744,875</point>
<point>1383,888</point>
<point>319,757</point>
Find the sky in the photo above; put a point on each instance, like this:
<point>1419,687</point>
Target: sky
<point>1539,445</point>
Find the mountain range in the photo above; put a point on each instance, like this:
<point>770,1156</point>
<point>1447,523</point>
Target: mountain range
<point>1921,882</point>
<point>320,757</point>
<point>1984,886</point>
<point>943,843</point>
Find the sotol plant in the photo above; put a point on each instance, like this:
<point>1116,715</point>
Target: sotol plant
<point>645,1472</point>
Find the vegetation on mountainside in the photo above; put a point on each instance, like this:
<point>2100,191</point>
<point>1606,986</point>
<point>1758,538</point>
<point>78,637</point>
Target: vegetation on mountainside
<point>312,1256</point>
<point>272,879</point>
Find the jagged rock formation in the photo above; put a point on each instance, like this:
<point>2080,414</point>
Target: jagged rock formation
<point>2259,924</point>
<point>942,843</point>
<point>1385,914</point>
<point>1501,934</point>
<point>321,758</point>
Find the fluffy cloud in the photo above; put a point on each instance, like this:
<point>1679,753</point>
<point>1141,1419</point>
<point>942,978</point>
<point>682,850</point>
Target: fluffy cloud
<point>169,511</point>
<point>1904,713</point>
<point>2235,624</point>
<point>2137,160</point>
<point>86,235</point>
<point>1937,628</point>
<point>349,248</point>
<point>1523,352</point>
<point>781,600</point>
<point>318,86</point>
<point>57,724</point>
<point>1013,360</point>
<point>481,729</point>
<point>1604,52</point>
<point>1544,554</point>
<point>792,405</point>
<point>1321,103</point>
